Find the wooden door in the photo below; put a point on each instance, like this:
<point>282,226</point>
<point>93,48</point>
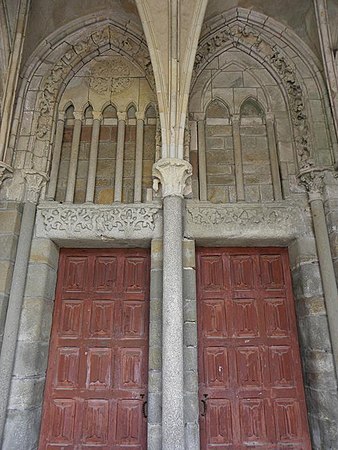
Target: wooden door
<point>250,387</point>
<point>96,384</point>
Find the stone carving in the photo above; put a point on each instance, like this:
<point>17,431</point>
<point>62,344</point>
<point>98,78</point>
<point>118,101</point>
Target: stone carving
<point>35,181</point>
<point>250,40</point>
<point>5,172</point>
<point>102,221</point>
<point>112,36</point>
<point>173,174</point>
<point>187,139</point>
<point>111,75</point>
<point>227,215</point>
<point>313,181</point>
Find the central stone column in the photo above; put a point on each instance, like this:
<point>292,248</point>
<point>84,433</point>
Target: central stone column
<point>173,174</point>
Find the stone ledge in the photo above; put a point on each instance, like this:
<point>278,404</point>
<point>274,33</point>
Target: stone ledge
<point>89,222</point>
<point>276,223</point>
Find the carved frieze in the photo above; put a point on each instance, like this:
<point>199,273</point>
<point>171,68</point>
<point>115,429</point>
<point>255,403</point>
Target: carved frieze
<point>252,41</point>
<point>97,221</point>
<point>247,221</point>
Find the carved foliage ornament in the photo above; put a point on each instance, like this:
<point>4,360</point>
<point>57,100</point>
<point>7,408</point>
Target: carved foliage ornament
<point>249,39</point>
<point>236,216</point>
<point>174,175</point>
<point>109,35</point>
<point>313,181</point>
<point>35,181</point>
<point>100,221</point>
<point>111,75</point>
<point>5,172</point>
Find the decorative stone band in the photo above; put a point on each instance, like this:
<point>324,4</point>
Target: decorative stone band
<point>174,175</point>
<point>98,222</point>
<point>6,171</point>
<point>35,181</point>
<point>276,222</point>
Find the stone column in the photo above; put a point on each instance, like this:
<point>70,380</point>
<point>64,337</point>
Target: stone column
<point>313,181</point>
<point>94,146</point>
<point>276,183</point>
<point>121,129</point>
<point>56,156</point>
<point>172,173</point>
<point>138,158</point>
<point>34,182</point>
<point>74,158</point>
<point>236,134</point>
<point>202,161</point>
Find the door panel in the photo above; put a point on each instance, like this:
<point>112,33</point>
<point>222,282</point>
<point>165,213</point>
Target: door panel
<point>97,373</point>
<point>250,382</point>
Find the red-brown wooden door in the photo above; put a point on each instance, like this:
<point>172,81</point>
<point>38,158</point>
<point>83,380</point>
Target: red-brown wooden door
<point>250,386</point>
<point>97,373</point>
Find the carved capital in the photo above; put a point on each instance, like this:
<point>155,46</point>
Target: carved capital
<point>174,175</point>
<point>313,181</point>
<point>35,181</point>
<point>5,172</point>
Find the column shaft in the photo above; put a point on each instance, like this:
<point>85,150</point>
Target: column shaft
<point>138,161</point>
<point>276,183</point>
<point>7,356</point>
<point>94,146</point>
<point>73,161</point>
<point>236,134</point>
<point>121,129</point>
<point>56,156</point>
<point>172,326</point>
<point>202,161</point>
<point>327,272</point>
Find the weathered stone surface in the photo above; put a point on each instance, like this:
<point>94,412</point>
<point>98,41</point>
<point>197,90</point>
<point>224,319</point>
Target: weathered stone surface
<point>22,429</point>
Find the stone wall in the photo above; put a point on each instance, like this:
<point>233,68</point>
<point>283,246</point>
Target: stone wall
<point>24,409</point>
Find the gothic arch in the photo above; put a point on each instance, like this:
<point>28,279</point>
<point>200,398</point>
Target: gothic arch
<point>48,73</point>
<point>293,65</point>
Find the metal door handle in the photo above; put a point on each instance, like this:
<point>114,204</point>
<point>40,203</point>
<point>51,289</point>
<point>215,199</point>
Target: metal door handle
<point>145,409</point>
<point>204,403</point>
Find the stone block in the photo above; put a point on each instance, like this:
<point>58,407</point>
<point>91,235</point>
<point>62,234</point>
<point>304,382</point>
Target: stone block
<point>41,281</point>
<point>323,403</point>
<point>154,408</point>
<point>31,359</point>
<point>36,320</point>
<point>155,358</point>
<point>105,196</point>
<point>26,393</point>
<point>218,194</point>
<point>190,314</point>
<point>306,280</point>
<point>156,254</point>
<point>6,271</point>
<point>10,221</point>
<point>266,193</point>
<point>215,143</point>
<point>22,429</point>
<point>189,284</point>
<point>190,358</point>
<point>190,334</point>
<point>8,243</point>
<point>107,150</point>
<point>189,253</point>
<point>251,193</point>
<point>221,180</point>
<point>44,251</point>
<point>129,151</point>
<point>154,437</point>
<point>314,333</point>
<point>155,381</point>
<point>218,131</point>
<point>105,168</point>
<point>156,285</point>
<point>192,438</point>
<point>191,408</point>
<point>190,381</point>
